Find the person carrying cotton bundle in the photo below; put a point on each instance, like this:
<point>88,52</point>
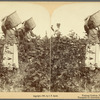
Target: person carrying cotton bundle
<point>93,45</point>
<point>10,52</point>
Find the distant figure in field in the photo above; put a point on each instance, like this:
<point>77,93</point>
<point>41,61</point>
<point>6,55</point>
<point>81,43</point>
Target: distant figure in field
<point>57,32</point>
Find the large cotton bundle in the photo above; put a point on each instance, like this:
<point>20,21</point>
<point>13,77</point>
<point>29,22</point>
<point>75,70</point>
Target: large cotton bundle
<point>94,19</point>
<point>30,24</point>
<point>13,20</point>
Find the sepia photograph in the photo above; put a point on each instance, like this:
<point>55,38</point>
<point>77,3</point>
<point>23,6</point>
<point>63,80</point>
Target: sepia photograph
<point>25,48</point>
<point>50,49</point>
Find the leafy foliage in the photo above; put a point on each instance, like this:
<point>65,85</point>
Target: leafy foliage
<point>34,72</point>
<point>38,69</point>
<point>55,64</point>
<point>69,73</point>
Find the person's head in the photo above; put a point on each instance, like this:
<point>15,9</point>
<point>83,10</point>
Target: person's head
<point>25,27</point>
<point>91,26</point>
<point>7,25</point>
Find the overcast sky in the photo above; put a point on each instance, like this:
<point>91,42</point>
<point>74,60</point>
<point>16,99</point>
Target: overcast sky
<point>72,16</point>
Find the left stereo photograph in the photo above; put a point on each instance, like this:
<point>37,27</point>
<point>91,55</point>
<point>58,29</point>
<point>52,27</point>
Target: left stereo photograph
<point>24,48</point>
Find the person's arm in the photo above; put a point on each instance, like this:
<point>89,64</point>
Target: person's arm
<point>86,29</point>
<point>3,27</point>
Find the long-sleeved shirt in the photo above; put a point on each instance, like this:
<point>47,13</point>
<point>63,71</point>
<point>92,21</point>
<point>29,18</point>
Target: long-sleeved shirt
<point>10,36</point>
